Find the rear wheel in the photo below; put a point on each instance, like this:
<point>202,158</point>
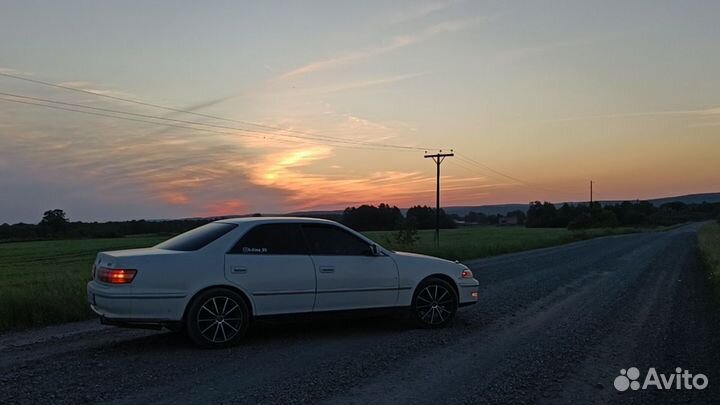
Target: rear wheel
<point>434,304</point>
<point>217,318</point>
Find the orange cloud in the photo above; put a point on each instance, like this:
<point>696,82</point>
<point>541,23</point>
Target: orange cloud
<point>176,198</point>
<point>287,171</point>
<point>227,207</point>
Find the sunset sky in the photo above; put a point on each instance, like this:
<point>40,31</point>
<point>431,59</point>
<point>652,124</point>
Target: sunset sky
<point>537,97</point>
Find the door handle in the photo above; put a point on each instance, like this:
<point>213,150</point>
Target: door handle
<point>237,270</point>
<point>327,269</point>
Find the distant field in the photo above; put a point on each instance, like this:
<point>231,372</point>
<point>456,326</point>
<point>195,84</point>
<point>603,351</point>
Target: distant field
<point>44,282</point>
<point>709,243</point>
<point>476,242</point>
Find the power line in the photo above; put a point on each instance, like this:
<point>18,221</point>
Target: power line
<point>486,167</point>
<point>115,116</point>
<point>472,170</point>
<point>55,107</point>
<point>469,169</point>
<point>179,120</point>
<point>308,137</point>
<point>177,110</point>
<point>471,161</point>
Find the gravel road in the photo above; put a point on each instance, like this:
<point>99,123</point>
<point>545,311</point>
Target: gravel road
<point>552,326</point>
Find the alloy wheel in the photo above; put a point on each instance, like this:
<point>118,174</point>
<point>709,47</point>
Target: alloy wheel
<point>435,304</point>
<point>219,319</point>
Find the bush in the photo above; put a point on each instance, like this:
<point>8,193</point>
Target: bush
<point>709,251</point>
<point>372,218</point>
<point>607,219</point>
<point>425,217</point>
<point>582,221</point>
<point>408,235</point>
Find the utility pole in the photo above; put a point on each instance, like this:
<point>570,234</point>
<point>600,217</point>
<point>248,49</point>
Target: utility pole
<point>591,196</point>
<point>438,159</point>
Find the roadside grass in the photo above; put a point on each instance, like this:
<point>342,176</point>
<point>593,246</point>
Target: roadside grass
<point>43,282</point>
<point>709,247</point>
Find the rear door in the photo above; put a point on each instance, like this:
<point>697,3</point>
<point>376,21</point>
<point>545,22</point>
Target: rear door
<point>271,262</point>
<point>348,276</point>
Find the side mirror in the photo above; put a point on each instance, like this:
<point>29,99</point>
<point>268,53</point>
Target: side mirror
<point>374,251</point>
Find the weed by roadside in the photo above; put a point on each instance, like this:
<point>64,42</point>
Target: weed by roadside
<point>709,250</point>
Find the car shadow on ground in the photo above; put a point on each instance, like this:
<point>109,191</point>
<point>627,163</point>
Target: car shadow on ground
<point>279,331</point>
<point>323,326</point>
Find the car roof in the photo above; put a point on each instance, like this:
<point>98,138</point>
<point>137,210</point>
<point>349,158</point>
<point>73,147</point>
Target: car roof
<point>262,220</point>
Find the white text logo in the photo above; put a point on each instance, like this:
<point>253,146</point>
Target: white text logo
<point>680,380</point>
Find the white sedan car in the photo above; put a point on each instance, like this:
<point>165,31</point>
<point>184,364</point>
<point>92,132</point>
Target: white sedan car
<point>213,280</point>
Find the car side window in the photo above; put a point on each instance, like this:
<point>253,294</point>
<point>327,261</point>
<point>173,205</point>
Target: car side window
<point>197,238</point>
<point>332,241</point>
<point>272,239</point>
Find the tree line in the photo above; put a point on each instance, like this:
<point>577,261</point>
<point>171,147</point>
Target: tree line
<point>627,213</point>
<point>479,218</point>
<point>55,224</point>
<point>387,218</point>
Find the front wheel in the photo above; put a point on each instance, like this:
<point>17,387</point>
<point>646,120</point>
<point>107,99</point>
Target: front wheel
<point>434,303</point>
<point>217,318</point>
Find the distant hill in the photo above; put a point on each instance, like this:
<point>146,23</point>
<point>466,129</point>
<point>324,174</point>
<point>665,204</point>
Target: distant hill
<point>495,209</point>
<point>327,213</point>
<point>505,208</point>
<point>689,199</point>
<point>459,210</point>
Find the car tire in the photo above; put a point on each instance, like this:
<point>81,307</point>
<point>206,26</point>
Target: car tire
<point>217,318</point>
<point>434,304</point>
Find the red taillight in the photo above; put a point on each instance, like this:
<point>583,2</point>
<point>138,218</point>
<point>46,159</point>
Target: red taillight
<point>115,276</point>
<point>466,274</point>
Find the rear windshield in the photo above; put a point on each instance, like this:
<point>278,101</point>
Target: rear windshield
<point>197,238</point>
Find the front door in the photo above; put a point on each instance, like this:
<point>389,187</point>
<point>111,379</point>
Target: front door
<point>348,275</point>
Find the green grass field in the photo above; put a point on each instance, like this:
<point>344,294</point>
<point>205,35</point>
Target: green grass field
<point>709,244</point>
<point>44,282</point>
<point>476,242</point>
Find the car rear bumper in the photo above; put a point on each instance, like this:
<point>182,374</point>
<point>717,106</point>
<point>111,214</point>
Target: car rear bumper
<point>121,305</point>
<point>111,302</point>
